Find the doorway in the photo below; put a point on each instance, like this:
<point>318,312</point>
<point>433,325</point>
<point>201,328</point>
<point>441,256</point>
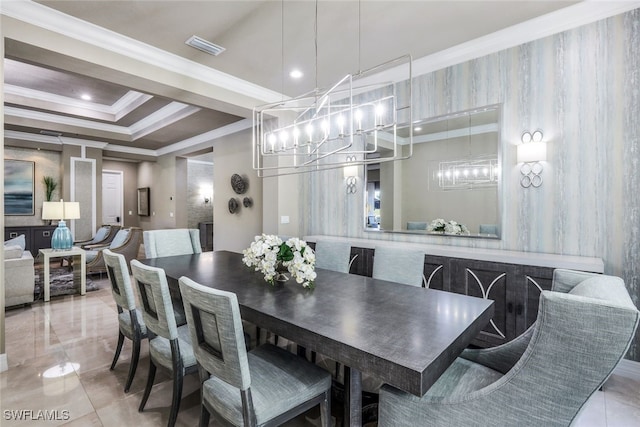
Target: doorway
<point>112,197</point>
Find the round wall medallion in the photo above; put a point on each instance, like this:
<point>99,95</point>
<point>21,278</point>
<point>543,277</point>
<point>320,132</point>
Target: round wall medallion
<point>233,205</point>
<point>238,184</point>
<point>247,202</point>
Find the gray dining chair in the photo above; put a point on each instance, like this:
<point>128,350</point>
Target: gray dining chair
<point>169,345</point>
<point>334,256</point>
<point>416,225</point>
<point>584,327</point>
<point>266,386</point>
<point>490,229</point>
<point>404,266</point>
<point>130,322</point>
<point>178,241</point>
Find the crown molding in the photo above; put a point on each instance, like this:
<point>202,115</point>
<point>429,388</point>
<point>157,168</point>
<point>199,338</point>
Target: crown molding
<point>207,137</point>
<point>69,26</point>
<point>40,99</point>
<point>46,139</point>
<point>164,117</point>
<point>64,120</point>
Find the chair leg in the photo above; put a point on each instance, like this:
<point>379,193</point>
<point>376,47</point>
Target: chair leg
<point>177,395</point>
<point>135,355</point>
<point>204,416</point>
<point>118,349</point>
<point>147,389</point>
<point>325,409</point>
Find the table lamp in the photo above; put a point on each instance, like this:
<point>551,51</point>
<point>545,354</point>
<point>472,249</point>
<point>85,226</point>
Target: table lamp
<point>61,210</point>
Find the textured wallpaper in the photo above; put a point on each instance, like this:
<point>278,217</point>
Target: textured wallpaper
<point>582,88</point>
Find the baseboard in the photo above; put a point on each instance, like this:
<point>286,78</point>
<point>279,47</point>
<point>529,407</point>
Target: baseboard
<point>4,364</point>
<point>628,368</point>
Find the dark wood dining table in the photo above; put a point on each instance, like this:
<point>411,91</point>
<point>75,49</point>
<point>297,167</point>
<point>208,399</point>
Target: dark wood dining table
<point>406,336</point>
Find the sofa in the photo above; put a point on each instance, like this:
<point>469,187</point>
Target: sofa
<point>19,276</point>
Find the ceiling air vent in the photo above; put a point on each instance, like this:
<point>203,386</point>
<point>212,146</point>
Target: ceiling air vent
<point>205,46</point>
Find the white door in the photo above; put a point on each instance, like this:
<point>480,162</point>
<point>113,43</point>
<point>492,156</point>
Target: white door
<point>112,197</point>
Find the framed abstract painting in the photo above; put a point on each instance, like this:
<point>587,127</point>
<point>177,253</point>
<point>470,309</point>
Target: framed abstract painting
<point>19,187</point>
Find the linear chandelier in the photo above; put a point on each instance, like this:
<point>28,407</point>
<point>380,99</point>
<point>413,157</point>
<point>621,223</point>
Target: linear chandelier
<point>467,174</point>
<point>328,129</point>
<point>335,127</point>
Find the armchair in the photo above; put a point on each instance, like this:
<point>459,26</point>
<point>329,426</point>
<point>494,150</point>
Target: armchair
<point>103,236</point>
<point>585,326</point>
<point>19,276</point>
<point>126,242</point>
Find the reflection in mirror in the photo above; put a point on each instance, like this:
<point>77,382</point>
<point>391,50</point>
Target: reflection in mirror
<point>453,175</point>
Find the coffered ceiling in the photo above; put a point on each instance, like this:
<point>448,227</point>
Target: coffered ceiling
<point>264,41</point>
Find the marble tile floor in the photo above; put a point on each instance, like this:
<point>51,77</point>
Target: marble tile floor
<point>59,355</point>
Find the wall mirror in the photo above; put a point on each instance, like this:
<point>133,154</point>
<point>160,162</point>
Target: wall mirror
<point>453,174</point>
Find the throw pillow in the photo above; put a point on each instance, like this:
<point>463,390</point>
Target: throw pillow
<point>17,241</point>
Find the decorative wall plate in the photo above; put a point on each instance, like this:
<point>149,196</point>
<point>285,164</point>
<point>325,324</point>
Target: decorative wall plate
<point>234,206</point>
<point>247,202</point>
<point>238,184</point>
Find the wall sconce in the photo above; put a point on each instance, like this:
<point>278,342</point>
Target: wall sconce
<point>206,194</point>
<point>531,152</point>
<point>350,173</point>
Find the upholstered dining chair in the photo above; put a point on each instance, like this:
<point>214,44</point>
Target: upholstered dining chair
<point>335,256</point>
<point>404,266</point>
<point>178,241</point>
<point>169,344</point>
<point>490,229</point>
<point>416,225</point>
<point>126,242</point>
<point>266,386</point>
<point>130,322</point>
<point>584,327</point>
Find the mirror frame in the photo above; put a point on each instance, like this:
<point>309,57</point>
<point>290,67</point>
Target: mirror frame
<point>499,186</point>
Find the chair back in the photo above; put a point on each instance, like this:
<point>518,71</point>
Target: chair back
<point>118,274</point>
<point>120,238</point>
<point>398,265</point>
<point>333,255</point>
<point>216,332</point>
<point>157,308</point>
<point>416,225</point>
<point>578,339</point>
<point>488,229</point>
<point>179,241</point>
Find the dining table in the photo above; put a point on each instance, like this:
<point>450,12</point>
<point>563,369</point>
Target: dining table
<point>403,335</point>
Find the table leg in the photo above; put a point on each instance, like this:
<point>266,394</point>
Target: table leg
<point>83,274</point>
<point>46,283</point>
<point>353,397</point>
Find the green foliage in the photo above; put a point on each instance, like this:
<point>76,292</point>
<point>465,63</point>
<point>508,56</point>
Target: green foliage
<point>50,185</point>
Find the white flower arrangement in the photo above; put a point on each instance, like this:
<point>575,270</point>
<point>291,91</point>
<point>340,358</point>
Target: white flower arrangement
<point>268,252</point>
<point>447,227</point>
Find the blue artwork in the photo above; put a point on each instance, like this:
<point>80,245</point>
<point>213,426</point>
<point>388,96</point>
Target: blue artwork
<point>18,187</point>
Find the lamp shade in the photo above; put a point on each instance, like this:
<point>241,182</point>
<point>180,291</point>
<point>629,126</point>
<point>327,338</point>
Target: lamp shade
<point>52,210</point>
<point>71,210</point>
<point>532,152</point>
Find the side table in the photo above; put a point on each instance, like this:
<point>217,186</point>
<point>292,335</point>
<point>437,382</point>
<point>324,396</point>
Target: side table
<point>79,259</point>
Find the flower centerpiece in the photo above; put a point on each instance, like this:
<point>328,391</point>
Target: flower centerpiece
<point>269,254</point>
<point>447,227</point>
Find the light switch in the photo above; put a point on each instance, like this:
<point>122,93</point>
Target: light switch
<point>171,214</point>
<point>284,219</point>
<point>130,212</point>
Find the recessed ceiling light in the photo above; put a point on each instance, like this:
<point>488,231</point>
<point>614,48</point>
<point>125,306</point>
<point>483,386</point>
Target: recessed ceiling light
<point>417,129</point>
<point>296,74</point>
<point>86,97</point>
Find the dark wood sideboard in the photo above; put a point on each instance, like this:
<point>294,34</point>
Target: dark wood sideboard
<point>515,288</point>
<point>36,236</point>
